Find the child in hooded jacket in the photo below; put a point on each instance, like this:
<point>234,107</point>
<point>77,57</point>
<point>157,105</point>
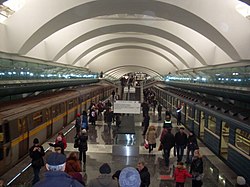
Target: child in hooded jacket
<point>180,175</point>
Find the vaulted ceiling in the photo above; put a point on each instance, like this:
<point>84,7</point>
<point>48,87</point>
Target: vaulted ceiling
<point>121,36</point>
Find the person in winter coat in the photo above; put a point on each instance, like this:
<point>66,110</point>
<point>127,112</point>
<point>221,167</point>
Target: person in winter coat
<point>92,116</point>
<point>146,120</point>
<point>159,109</point>
<point>73,167</point>
<point>63,139</point>
<point>82,145</point>
<point>196,169</point>
<point>180,175</point>
<point>36,153</point>
<point>191,146</point>
<point>167,141</point>
<point>104,179</point>
<point>59,144</point>
<point>109,117</point>
<point>151,138</point>
<point>78,123</point>
<point>167,124</point>
<point>85,124</point>
<point>144,174</point>
<point>72,164</point>
<point>55,176</point>
<point>181,143</point>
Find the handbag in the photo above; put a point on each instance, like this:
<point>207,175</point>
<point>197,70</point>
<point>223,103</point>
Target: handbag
<point>76,143</point>
<point>160,147</point>
<point>146,145</point>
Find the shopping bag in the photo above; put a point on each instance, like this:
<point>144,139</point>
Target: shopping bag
<point>146,144</point>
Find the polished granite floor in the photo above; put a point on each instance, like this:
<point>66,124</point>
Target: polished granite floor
<point>100,151</point>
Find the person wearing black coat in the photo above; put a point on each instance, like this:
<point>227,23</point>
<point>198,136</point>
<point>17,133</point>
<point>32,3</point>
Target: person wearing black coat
<point>82,145</point>
<point>36,153</point>
<point>181,143</point>
<point>146,120</point>
<point>167,141</point>
<point>196,169</point>
<point>191,146</point>
<point>144,174</point>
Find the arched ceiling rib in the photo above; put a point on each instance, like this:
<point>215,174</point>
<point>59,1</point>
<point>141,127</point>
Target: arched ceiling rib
<point>130,28</point>
<point>125,69</point>
<point>110,7</point>
<point>130,47</point>
<point>129,40</point>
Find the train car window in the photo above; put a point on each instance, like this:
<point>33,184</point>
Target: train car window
<point>55,110</point>
<point>37,118</point>
<point>62,107</point>
<point>72,103</point>
<point>211,123</point>
<point>196,116</point>
<point>242,141</point>
<point>190,111</point>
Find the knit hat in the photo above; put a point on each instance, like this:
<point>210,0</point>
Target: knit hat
<point>105,169</point>
<point>129,177</point>
<point>241,180</point>
<point>55,159</point>
<point>35,141</point>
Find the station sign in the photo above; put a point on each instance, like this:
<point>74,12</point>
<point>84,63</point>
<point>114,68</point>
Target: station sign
<point>127,107</point>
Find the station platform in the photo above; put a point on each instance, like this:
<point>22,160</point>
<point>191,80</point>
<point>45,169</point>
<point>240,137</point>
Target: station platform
<point>100,144</point>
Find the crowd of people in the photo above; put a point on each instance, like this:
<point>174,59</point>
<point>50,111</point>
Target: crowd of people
<point>67,171</point>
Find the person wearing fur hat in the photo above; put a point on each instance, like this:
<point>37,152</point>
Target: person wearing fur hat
<point>241,182</point>
<point>55,176</point>
<point>104,179</point>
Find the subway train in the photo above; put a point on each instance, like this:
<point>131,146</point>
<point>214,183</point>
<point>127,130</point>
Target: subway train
<point>223,129</point>
<point>41,117</point>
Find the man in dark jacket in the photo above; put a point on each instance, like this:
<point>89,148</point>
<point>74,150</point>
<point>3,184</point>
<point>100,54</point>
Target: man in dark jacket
<point>167,140</point>
<point>181,143</point>
<point>144,174</point>
<point>55,176</point>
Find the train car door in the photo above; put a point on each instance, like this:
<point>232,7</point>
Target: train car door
<point>24,136</point>
<point>5,146</point>
<point>224,139</point>
<point>47,116</point>
<point>64,111</point>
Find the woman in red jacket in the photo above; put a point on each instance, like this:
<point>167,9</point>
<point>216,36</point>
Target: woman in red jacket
<point>180,175</point>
